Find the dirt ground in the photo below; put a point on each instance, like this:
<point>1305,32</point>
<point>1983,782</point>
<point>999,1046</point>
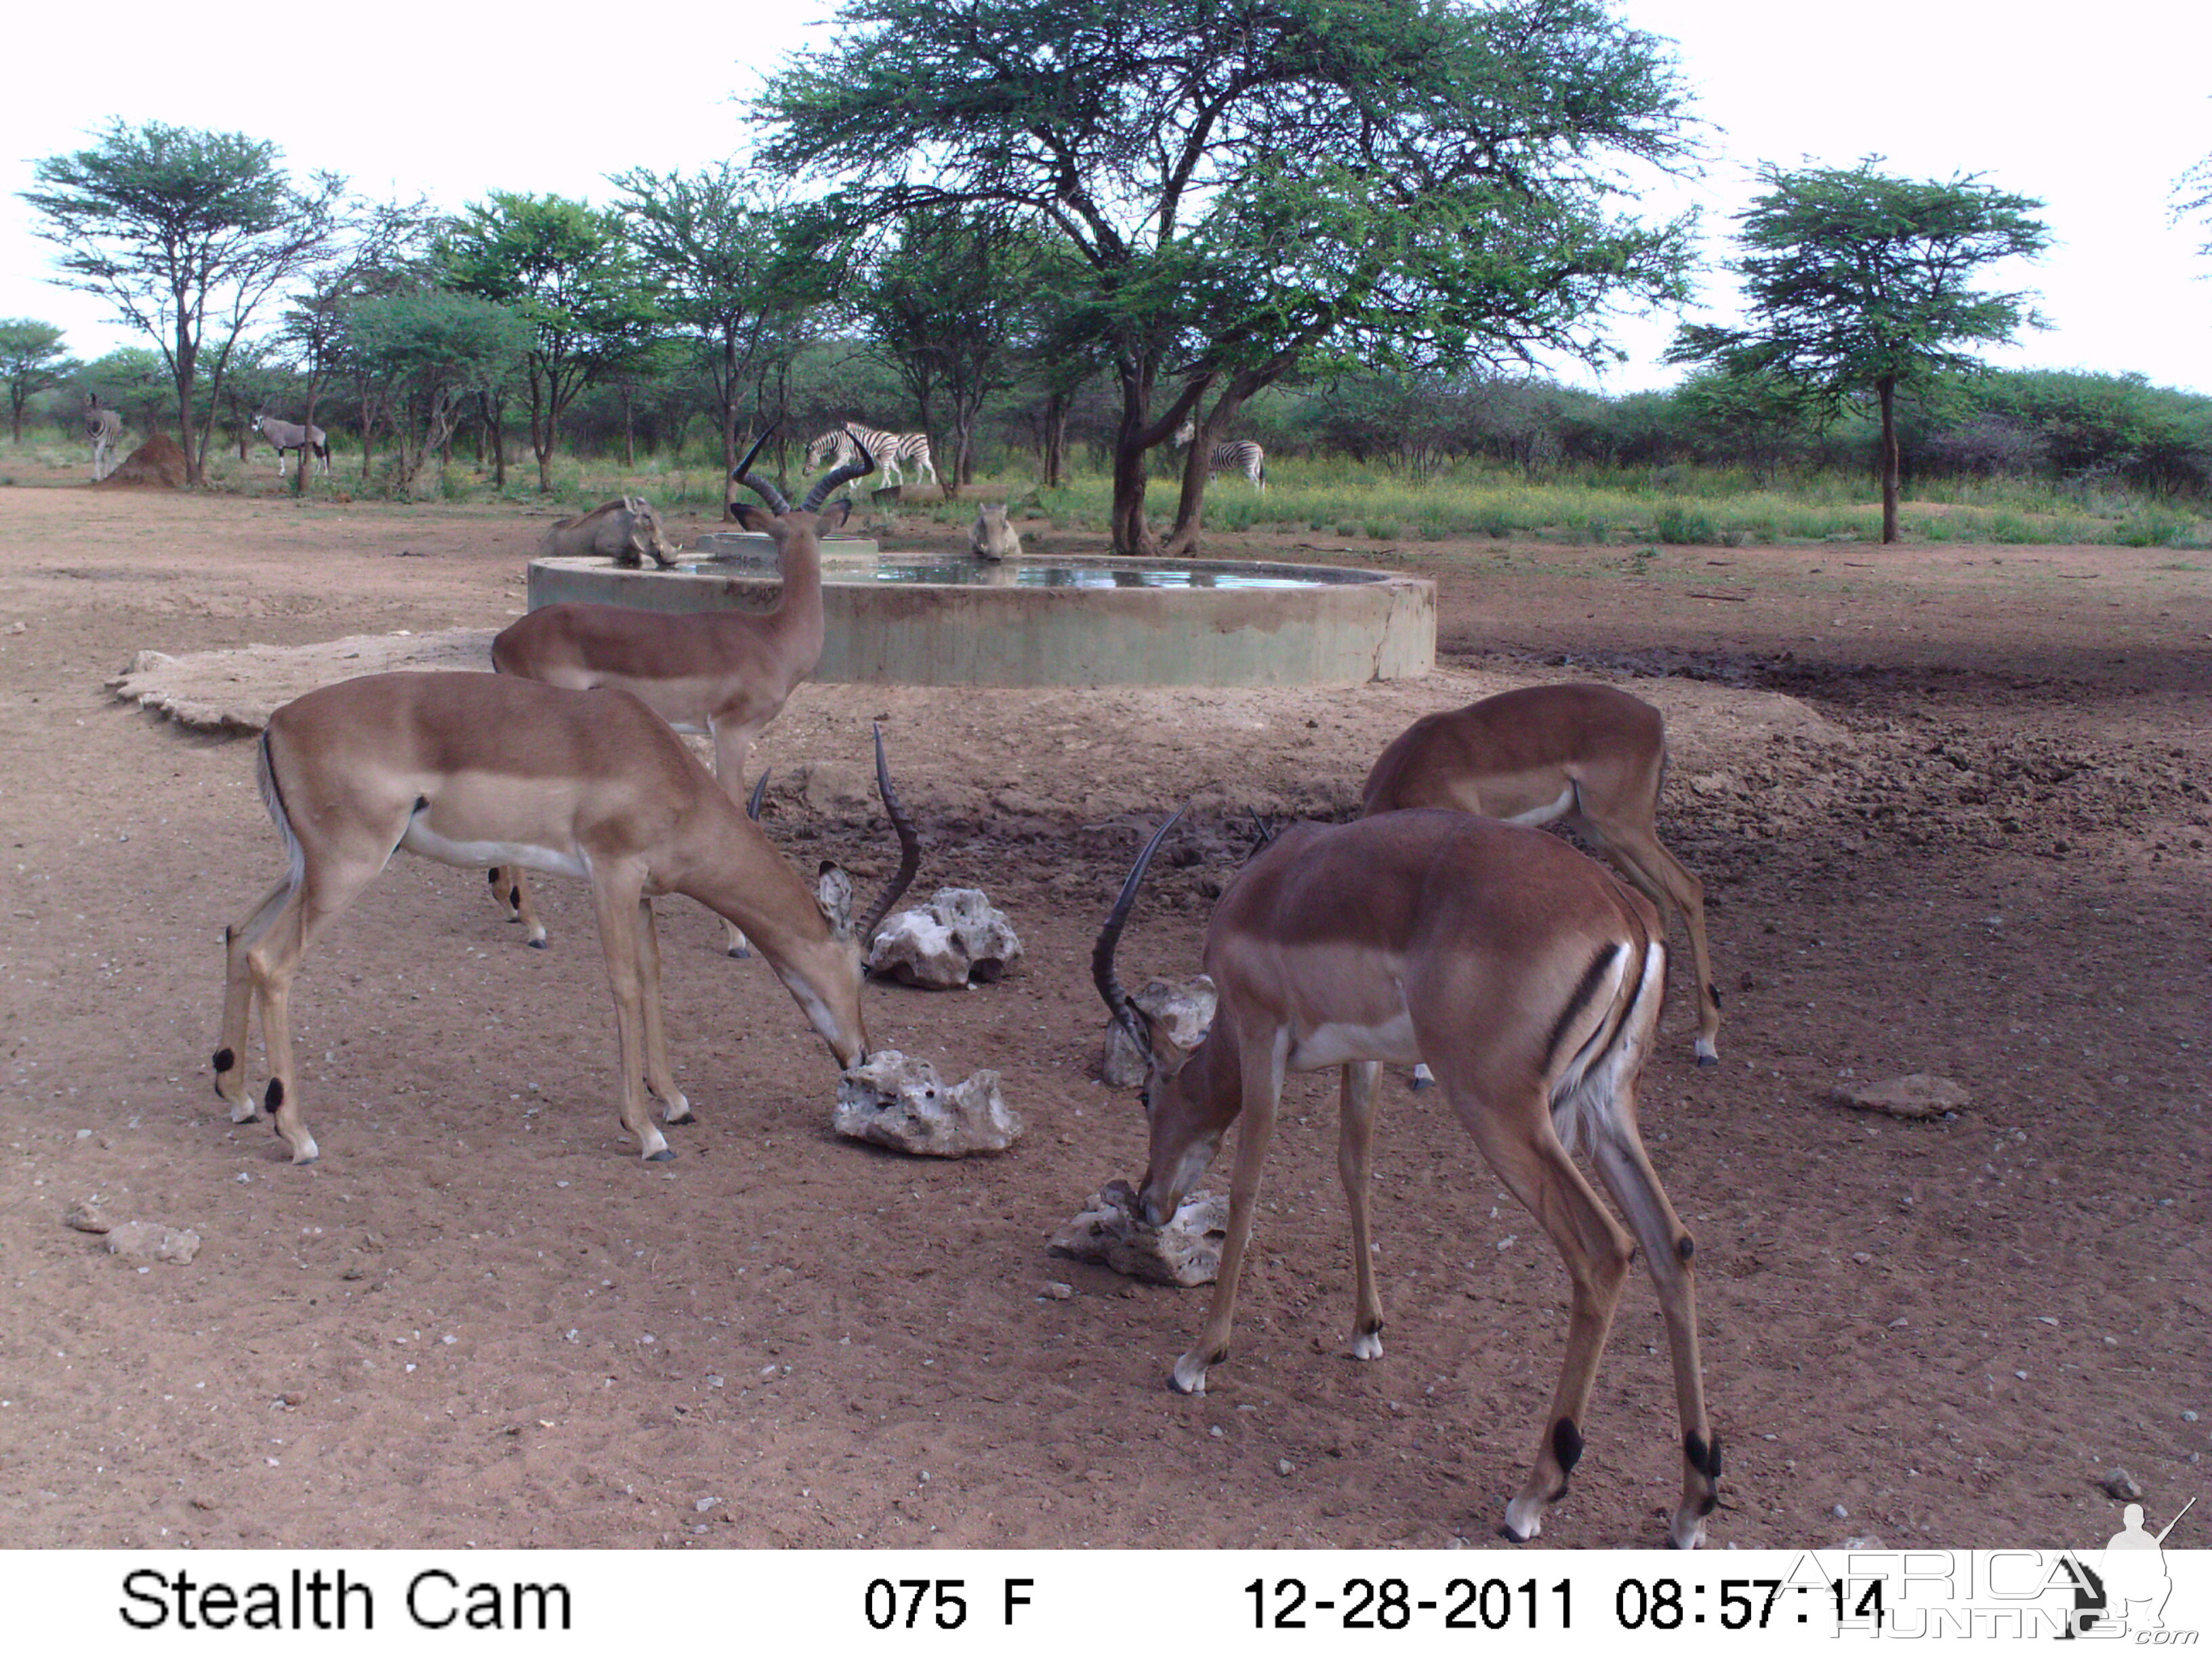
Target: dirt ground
<point>1951,806</point>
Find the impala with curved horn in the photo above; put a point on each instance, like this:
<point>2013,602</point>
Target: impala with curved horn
<point>1528,978</point>
<point>721,674</point>
<point>474,768</point>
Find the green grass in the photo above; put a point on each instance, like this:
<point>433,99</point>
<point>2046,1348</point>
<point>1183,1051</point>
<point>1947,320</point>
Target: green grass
<point>1679,505</point>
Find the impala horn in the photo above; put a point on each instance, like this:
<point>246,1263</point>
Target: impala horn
<point>845,474</point>
<point>1109,938</point>
<point>909,847</point>
<point>743,472</point>
<point>759,794</point>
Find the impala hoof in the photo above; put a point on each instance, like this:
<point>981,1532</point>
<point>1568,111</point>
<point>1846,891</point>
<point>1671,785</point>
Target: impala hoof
<point>666,1155</point>
<point>244,1111</point>
<point>1188,1376</point>
<point>1367,1345</point>
<point>678,1110</point>
<point>737,953</point>
<point>540,944</point>
<point>1423,1077</point>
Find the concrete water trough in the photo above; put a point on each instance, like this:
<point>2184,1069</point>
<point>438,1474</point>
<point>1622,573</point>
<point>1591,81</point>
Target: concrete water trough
<point>916,619</point>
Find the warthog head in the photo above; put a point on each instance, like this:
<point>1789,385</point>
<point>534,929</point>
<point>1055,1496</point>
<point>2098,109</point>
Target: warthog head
<point>993,537</point>
<point>643,536</point>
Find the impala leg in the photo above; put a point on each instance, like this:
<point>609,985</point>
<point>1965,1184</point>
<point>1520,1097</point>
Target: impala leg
<point>732,744</point>
<point>617,915</point>
<point>1527,1155</point>
<point>272,960</point>
<point>237,1002</point>
<point>1256,1128</point>
<point>1668,882</point>
<point>1355,1147</point>
<point>659,1077</point>
<point>1626,1170</point>
<point>511,887</point>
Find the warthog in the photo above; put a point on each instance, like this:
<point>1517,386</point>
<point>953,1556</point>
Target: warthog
<point>992,538</point>
<point>624,530</point>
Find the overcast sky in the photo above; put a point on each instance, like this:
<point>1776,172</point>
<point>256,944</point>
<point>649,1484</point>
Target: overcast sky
<point>2095,110</point>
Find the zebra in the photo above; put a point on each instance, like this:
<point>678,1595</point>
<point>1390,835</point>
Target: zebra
<point>890,450</point>
<point>105,427</point>
<point>1237,455</point>
<point>288,435</point>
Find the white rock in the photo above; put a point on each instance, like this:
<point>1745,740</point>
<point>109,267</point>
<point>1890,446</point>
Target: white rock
<point>958,939</point>
<point>902,1103</point>
<point>1109,1231</point>
<point>149,1240</point>
<point>1185,1008</point>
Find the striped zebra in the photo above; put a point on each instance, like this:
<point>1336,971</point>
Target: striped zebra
<point>104,427</point>
<point>1237,455</point>
<point>890,449</point>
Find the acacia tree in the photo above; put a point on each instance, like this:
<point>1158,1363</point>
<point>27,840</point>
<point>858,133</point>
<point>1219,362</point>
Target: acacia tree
<point>187,234</point>
<point>1251,183</point>
<point>1857,286</point>
<point>428,355</point>
<point>945,304</point>
<point>379,250</point>
<point>738,272</point>
<point>32,361</point>
<point>565,269</point>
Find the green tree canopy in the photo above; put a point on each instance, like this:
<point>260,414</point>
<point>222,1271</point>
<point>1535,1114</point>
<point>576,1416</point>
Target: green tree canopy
<point>738,272</point>
<point>1253,183</point>
<point>187,234</point>
<point>1858,285</point>
<point>566,269</point>
<point>945,304</point>
<point>427,354</point>
<point>32,361</point>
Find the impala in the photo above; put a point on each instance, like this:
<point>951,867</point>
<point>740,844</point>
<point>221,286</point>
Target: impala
<point>1587,753</point>
<point>722,674</point>
<point>1530,980</point>
<point>471,769</point>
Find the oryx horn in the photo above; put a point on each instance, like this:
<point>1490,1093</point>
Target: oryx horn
<point>743,472</point>
<point>909,847</point>
<point>1109,936</point>
<point>845,474</point>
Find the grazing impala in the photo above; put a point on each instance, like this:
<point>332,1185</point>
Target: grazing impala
<point>468,768</point>
<point>1589,754</point>
<point>724,674</point>
<point>1528,978</point>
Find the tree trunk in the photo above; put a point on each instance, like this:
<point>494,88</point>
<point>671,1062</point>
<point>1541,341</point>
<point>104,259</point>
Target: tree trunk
<point>1131,453</point>
<point>314,394</point>
<point>1197,472</point>
<point>629,434</point>
<point>1888,388</point>
<point>1055,441</point>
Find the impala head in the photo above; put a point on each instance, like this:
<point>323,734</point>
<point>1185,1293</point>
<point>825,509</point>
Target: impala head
<point>848,1034</point>
<point>781,520</point>
<point>1185,1114</point>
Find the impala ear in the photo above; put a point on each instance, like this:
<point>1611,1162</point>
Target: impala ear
<point>755,519</point>
<point>833,891</point>
<point>833,516</point>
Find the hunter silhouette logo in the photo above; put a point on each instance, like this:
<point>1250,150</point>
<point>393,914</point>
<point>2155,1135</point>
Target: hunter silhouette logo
<point>2127,1590</point>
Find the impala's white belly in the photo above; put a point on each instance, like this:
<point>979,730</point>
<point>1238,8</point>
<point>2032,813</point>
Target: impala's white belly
<point>547,860</point>
<point>1338,1043</point>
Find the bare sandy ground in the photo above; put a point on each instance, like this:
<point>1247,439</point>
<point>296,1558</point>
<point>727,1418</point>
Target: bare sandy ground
<point>1951,805</point>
